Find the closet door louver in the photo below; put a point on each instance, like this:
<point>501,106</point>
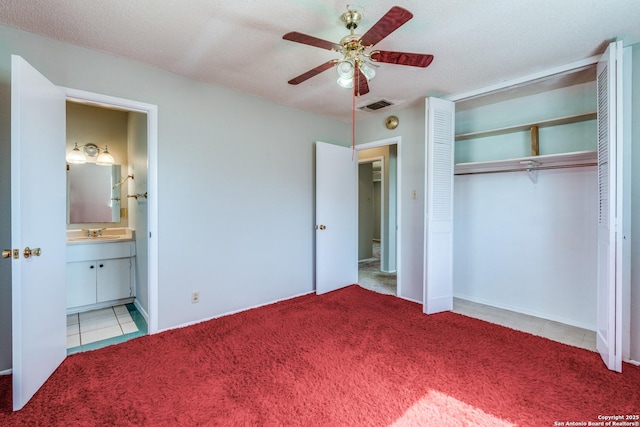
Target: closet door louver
<point>608,321</point>
<point>438,257</point>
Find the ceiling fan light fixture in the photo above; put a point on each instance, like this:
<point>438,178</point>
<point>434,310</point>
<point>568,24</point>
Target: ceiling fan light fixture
<point>345,69</point>
<point>345,83</point>
<point>356,67</point>
<point>368,71</point>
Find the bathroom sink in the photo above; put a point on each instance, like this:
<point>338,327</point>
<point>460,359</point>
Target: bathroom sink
<point>96,239</point>
<point>99,235</point>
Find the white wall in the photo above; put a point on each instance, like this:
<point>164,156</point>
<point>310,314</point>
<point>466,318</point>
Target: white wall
<point>528,247</point>
<point>237,235</point>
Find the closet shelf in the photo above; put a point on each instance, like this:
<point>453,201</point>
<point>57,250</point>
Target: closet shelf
<point>531,163</point>
<point>527,126</point>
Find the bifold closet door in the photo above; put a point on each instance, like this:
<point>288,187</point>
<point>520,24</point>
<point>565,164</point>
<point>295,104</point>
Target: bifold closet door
<point>438,234</point>
<point>613,221</point>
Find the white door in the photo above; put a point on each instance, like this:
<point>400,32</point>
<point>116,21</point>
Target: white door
<point>609,301</point>
<point>336,217</point>
<point>438,236</point>
<point>38,201</point>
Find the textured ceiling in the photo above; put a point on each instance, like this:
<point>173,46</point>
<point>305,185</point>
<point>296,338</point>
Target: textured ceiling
<point>239,43</point>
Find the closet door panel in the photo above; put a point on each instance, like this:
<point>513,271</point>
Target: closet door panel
<point>438,262</point>
<point>609,306</point>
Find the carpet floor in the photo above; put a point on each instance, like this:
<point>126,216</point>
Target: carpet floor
<point>351,357</point>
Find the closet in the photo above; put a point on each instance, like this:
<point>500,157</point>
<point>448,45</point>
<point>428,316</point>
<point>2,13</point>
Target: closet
<point>526,198</point>
<point>542,198</point>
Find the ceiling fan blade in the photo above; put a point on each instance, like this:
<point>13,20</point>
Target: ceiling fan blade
<point>390,22</point>
<point>313,72</point>
<point>402,58</point>
<point>294,36</point>
<point>362,87</point>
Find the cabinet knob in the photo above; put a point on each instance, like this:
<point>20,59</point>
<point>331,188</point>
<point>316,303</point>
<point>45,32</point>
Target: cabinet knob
<point>92,266</point>
<point>101,265</point>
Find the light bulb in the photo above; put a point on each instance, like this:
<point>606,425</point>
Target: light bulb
<point>345,69</point>
<point>368,71</point>
<point>345,83</point>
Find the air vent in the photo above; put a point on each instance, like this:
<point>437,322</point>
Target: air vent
<point>375,106</point>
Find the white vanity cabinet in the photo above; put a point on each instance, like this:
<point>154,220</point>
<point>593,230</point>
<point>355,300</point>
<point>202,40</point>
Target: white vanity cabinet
<point>99,273</point>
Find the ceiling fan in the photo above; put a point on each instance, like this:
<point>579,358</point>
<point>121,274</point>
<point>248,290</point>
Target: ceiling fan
<point>356,67</point>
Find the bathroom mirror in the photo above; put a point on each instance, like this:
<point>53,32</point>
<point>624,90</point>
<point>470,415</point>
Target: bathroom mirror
<point>92,195</point>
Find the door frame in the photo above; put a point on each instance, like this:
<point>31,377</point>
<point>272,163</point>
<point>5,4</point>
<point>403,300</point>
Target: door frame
<point>151,111</point>
<point>397,141</point>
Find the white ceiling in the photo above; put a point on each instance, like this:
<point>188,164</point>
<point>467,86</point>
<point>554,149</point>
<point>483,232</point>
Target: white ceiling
<point>238,43</point>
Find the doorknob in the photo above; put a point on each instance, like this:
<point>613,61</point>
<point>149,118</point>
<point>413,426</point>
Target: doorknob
<point>6,253</point>
<point>29,252</point>
<point>321,227</point>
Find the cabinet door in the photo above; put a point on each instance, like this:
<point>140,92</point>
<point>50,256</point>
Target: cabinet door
<point>114,279</point>
<point>81,283</point>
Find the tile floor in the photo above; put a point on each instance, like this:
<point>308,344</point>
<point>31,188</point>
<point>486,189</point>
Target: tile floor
<point>555,331</point>
<point>98,328</point>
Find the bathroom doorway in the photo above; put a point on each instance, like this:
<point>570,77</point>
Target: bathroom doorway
<point>137,155</point>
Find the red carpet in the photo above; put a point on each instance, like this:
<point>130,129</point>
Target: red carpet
<point>347,358</point>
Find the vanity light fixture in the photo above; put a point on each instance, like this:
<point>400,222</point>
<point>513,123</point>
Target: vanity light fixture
<point>76,156</point>
<point>105,158</point>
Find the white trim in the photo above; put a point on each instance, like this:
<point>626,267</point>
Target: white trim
<point>397,140</point>
<point>240,310</point>
<point>141,310</point>
<point>410,299</point>
<point>592,60</point>
<point>151,111</point>
<point>6,372</point>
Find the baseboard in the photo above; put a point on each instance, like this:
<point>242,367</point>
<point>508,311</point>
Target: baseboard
<point>195,322</point>
<point>633,362</point>
<point>533,313</point>
<point>409,299</point>
<point>6,372</point>
<point>141,311</point>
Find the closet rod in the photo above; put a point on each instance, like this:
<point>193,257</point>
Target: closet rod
<point>539,168</point>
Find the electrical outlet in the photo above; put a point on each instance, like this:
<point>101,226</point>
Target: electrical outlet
<point>195,297</point>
